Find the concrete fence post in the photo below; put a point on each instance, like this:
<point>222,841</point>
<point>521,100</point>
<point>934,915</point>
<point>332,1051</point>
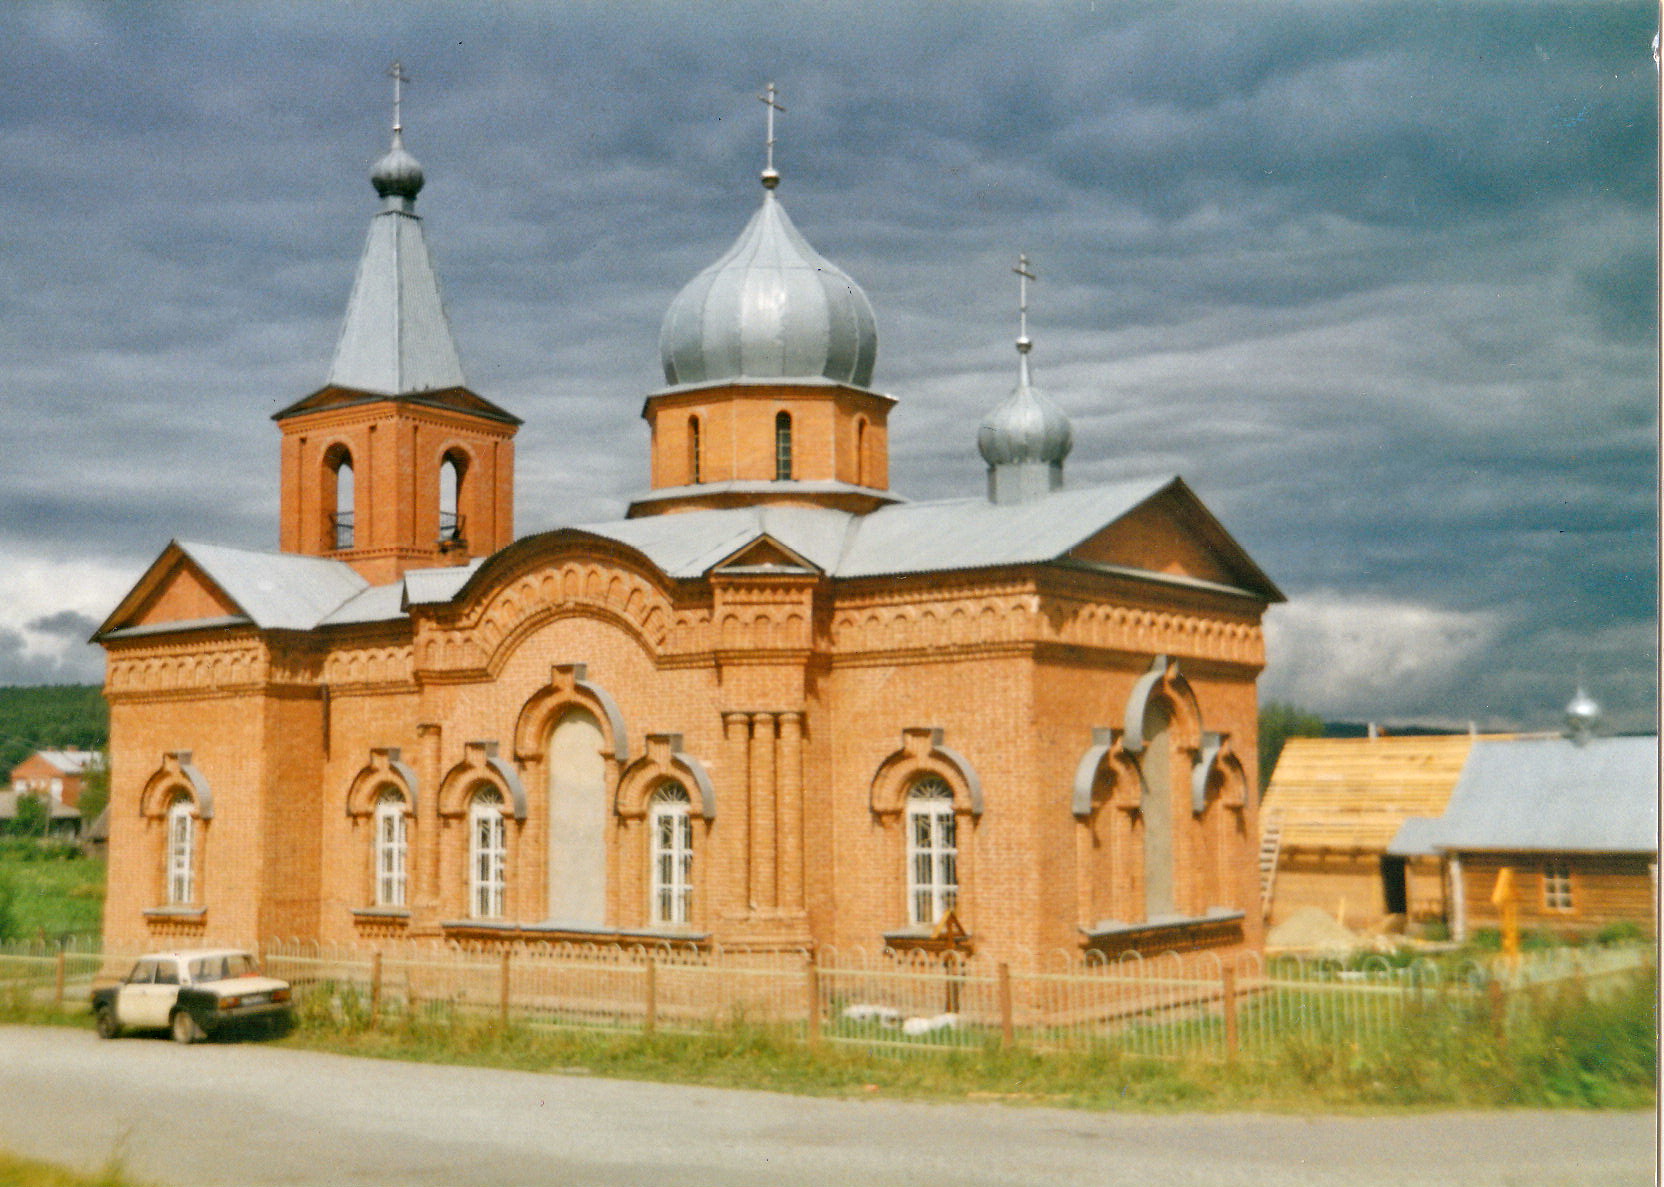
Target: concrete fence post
<point>650,1022</point>
<point>1008,1030</point>
<point>1228,992</point>
<point>375,986</point>
<point>811,993</point>
<point>502,1001</point>
<point>58,982</point>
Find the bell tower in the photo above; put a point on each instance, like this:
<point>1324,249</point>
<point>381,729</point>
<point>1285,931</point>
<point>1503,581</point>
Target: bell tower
<point>394,463</point>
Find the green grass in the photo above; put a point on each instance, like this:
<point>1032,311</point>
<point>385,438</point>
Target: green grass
<point>26,1172</point>
<point>51,898</point>
<point>1564,1049</point>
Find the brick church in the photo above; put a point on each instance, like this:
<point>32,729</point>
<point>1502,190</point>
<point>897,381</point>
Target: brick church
<point>776,705</point>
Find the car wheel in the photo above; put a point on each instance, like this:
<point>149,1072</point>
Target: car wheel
<point>108,1027</point>
<point>185,1029</point>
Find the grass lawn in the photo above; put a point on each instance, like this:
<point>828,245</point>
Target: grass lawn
<point>53,898</point>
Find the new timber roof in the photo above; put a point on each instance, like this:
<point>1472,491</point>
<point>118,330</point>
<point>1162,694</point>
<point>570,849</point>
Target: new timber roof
<point>1353,794</point>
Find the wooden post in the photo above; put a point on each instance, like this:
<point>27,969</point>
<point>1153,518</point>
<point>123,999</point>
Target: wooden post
<point>502,1004</point>
<point>651,1022</point>
<point>811,992</point>
<point>1007,1028</point>
<point>58,983</point>
<point>1229,991</point>
<point>375,986</point>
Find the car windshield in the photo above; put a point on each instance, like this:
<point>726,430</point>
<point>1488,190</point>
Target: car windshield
<point>222,968</point>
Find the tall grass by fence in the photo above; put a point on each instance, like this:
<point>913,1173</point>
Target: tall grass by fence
<point>1191,1006</point>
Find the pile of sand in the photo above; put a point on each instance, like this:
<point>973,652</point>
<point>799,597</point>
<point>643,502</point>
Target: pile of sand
<point>1311,929</point>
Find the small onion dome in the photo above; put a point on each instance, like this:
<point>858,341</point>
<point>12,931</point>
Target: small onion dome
<point>1582,714</point>
<point>1026,426</point>
<point>771,308</point>
<point>397,174</point>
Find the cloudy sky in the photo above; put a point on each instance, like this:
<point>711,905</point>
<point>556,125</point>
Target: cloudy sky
<point>1378,280</point>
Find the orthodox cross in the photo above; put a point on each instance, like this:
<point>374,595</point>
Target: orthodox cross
<point>767,99</point>
<point>1023,277</point>
<point>399,77</point>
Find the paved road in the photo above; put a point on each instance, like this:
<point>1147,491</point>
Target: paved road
<point>246,1115</point>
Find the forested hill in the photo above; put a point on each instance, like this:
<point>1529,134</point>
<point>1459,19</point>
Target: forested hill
<point>50,717</point>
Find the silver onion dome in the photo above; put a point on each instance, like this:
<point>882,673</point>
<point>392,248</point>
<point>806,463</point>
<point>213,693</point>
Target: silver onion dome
<point>1582,715</point>
<point>771,308</point>
<point>1026,427</point>
<point>397,174</point>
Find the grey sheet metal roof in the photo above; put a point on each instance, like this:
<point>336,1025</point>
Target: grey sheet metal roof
<point>1414,838</point>
<point>278,590</point>
<point>395,337</point>
<point>1548,794</point>
<point>375,603</point>
<point>429,587</point>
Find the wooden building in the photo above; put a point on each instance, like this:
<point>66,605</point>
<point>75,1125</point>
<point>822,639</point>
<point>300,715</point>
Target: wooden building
<point>1333,807</point>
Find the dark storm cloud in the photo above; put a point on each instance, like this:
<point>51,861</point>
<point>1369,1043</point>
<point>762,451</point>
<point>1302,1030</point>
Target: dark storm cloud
<point>1378,280</point>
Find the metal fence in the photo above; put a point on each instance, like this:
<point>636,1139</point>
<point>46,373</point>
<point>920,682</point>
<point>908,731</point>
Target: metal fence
<point>1197,1005</point>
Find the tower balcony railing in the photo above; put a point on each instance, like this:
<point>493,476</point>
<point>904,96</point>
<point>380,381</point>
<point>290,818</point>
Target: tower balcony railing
<point>451,530</point>
<point>340,524</point>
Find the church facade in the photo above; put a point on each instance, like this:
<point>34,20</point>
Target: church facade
<point>774,706</point>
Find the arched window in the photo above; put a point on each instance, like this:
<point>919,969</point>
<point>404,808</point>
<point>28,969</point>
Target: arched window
<point>487,854</point>
<point>670,822</point>
<point>932,852</point>
<point>181,855</point>
<point>861,452</point>
<point>694,476</point>
<point>783,447</point>
<point>339,496</point>
<point>451,473</point>
<point>392,849</point>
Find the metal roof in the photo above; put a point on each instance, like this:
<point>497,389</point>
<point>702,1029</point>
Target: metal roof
<point>1553,795</point>
<point>770,307</point>
<point>277,590</point>
<point>395,338</point>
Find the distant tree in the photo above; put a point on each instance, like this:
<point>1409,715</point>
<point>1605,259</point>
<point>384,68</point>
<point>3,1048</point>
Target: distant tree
<point>1278,723</point>
<point>95,791</point>
<point>33,816</point>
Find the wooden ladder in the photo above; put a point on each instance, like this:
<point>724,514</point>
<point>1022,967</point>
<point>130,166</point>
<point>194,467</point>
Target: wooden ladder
<point>1271,847</point>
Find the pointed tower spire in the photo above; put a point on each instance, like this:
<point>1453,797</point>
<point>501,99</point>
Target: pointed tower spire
<point>396,339</point>
<point>1025,439</point>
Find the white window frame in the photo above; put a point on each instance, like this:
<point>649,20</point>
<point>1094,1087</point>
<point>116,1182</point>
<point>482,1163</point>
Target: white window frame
<point>670,832</point>
<point>181,851</point>
<point>932,852</point>
<point>487,855</point>
<point>1557,885</point>
<point>391,849</point>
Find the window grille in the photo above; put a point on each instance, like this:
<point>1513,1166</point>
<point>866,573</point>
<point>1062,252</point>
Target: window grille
<point>694,476</point>
<point>783,447</point>
<point>487,856</point>
<point>932,855</point>
<point>671,824</point>
<point>391,850</point>
<point>181,851</point>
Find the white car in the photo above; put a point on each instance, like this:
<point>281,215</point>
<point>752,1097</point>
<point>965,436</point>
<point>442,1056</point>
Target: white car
<point>192,994</point>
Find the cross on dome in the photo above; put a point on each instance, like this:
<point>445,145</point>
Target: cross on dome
<point>770,177</point>
<point>399,77</point>
<point>1024,275</point>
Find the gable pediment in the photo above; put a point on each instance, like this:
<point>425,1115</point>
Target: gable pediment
<point>456,399</point>
<point>765,555</point>
<point>1174,535</point>
<point>174,590</point>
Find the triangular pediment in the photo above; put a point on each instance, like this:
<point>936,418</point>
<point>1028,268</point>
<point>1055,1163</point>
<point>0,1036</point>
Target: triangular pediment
<point>456,399</point>
<point>765,554</point>
<point>1174,534</point>
<point>173,590</point>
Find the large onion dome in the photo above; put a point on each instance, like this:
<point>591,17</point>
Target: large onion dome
<point>771,308</point>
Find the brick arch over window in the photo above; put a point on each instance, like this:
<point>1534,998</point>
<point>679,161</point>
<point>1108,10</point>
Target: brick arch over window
<point>1163,686</point>
<point>176,774</point>
<point>481,768</point>
<point>921,754</point>
<point>1106,774</point>
<point>383,770</point>
<point>568,688</point>
<point>1219,776</point>
<point>664,761</point>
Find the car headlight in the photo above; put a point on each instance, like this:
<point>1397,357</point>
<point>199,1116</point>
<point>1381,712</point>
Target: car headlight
<point>230,1003</point>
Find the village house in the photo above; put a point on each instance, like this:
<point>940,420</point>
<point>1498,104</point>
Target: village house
<point>776,705</point>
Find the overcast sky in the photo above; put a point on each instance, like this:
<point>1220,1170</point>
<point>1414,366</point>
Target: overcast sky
<point>1378,280</point>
